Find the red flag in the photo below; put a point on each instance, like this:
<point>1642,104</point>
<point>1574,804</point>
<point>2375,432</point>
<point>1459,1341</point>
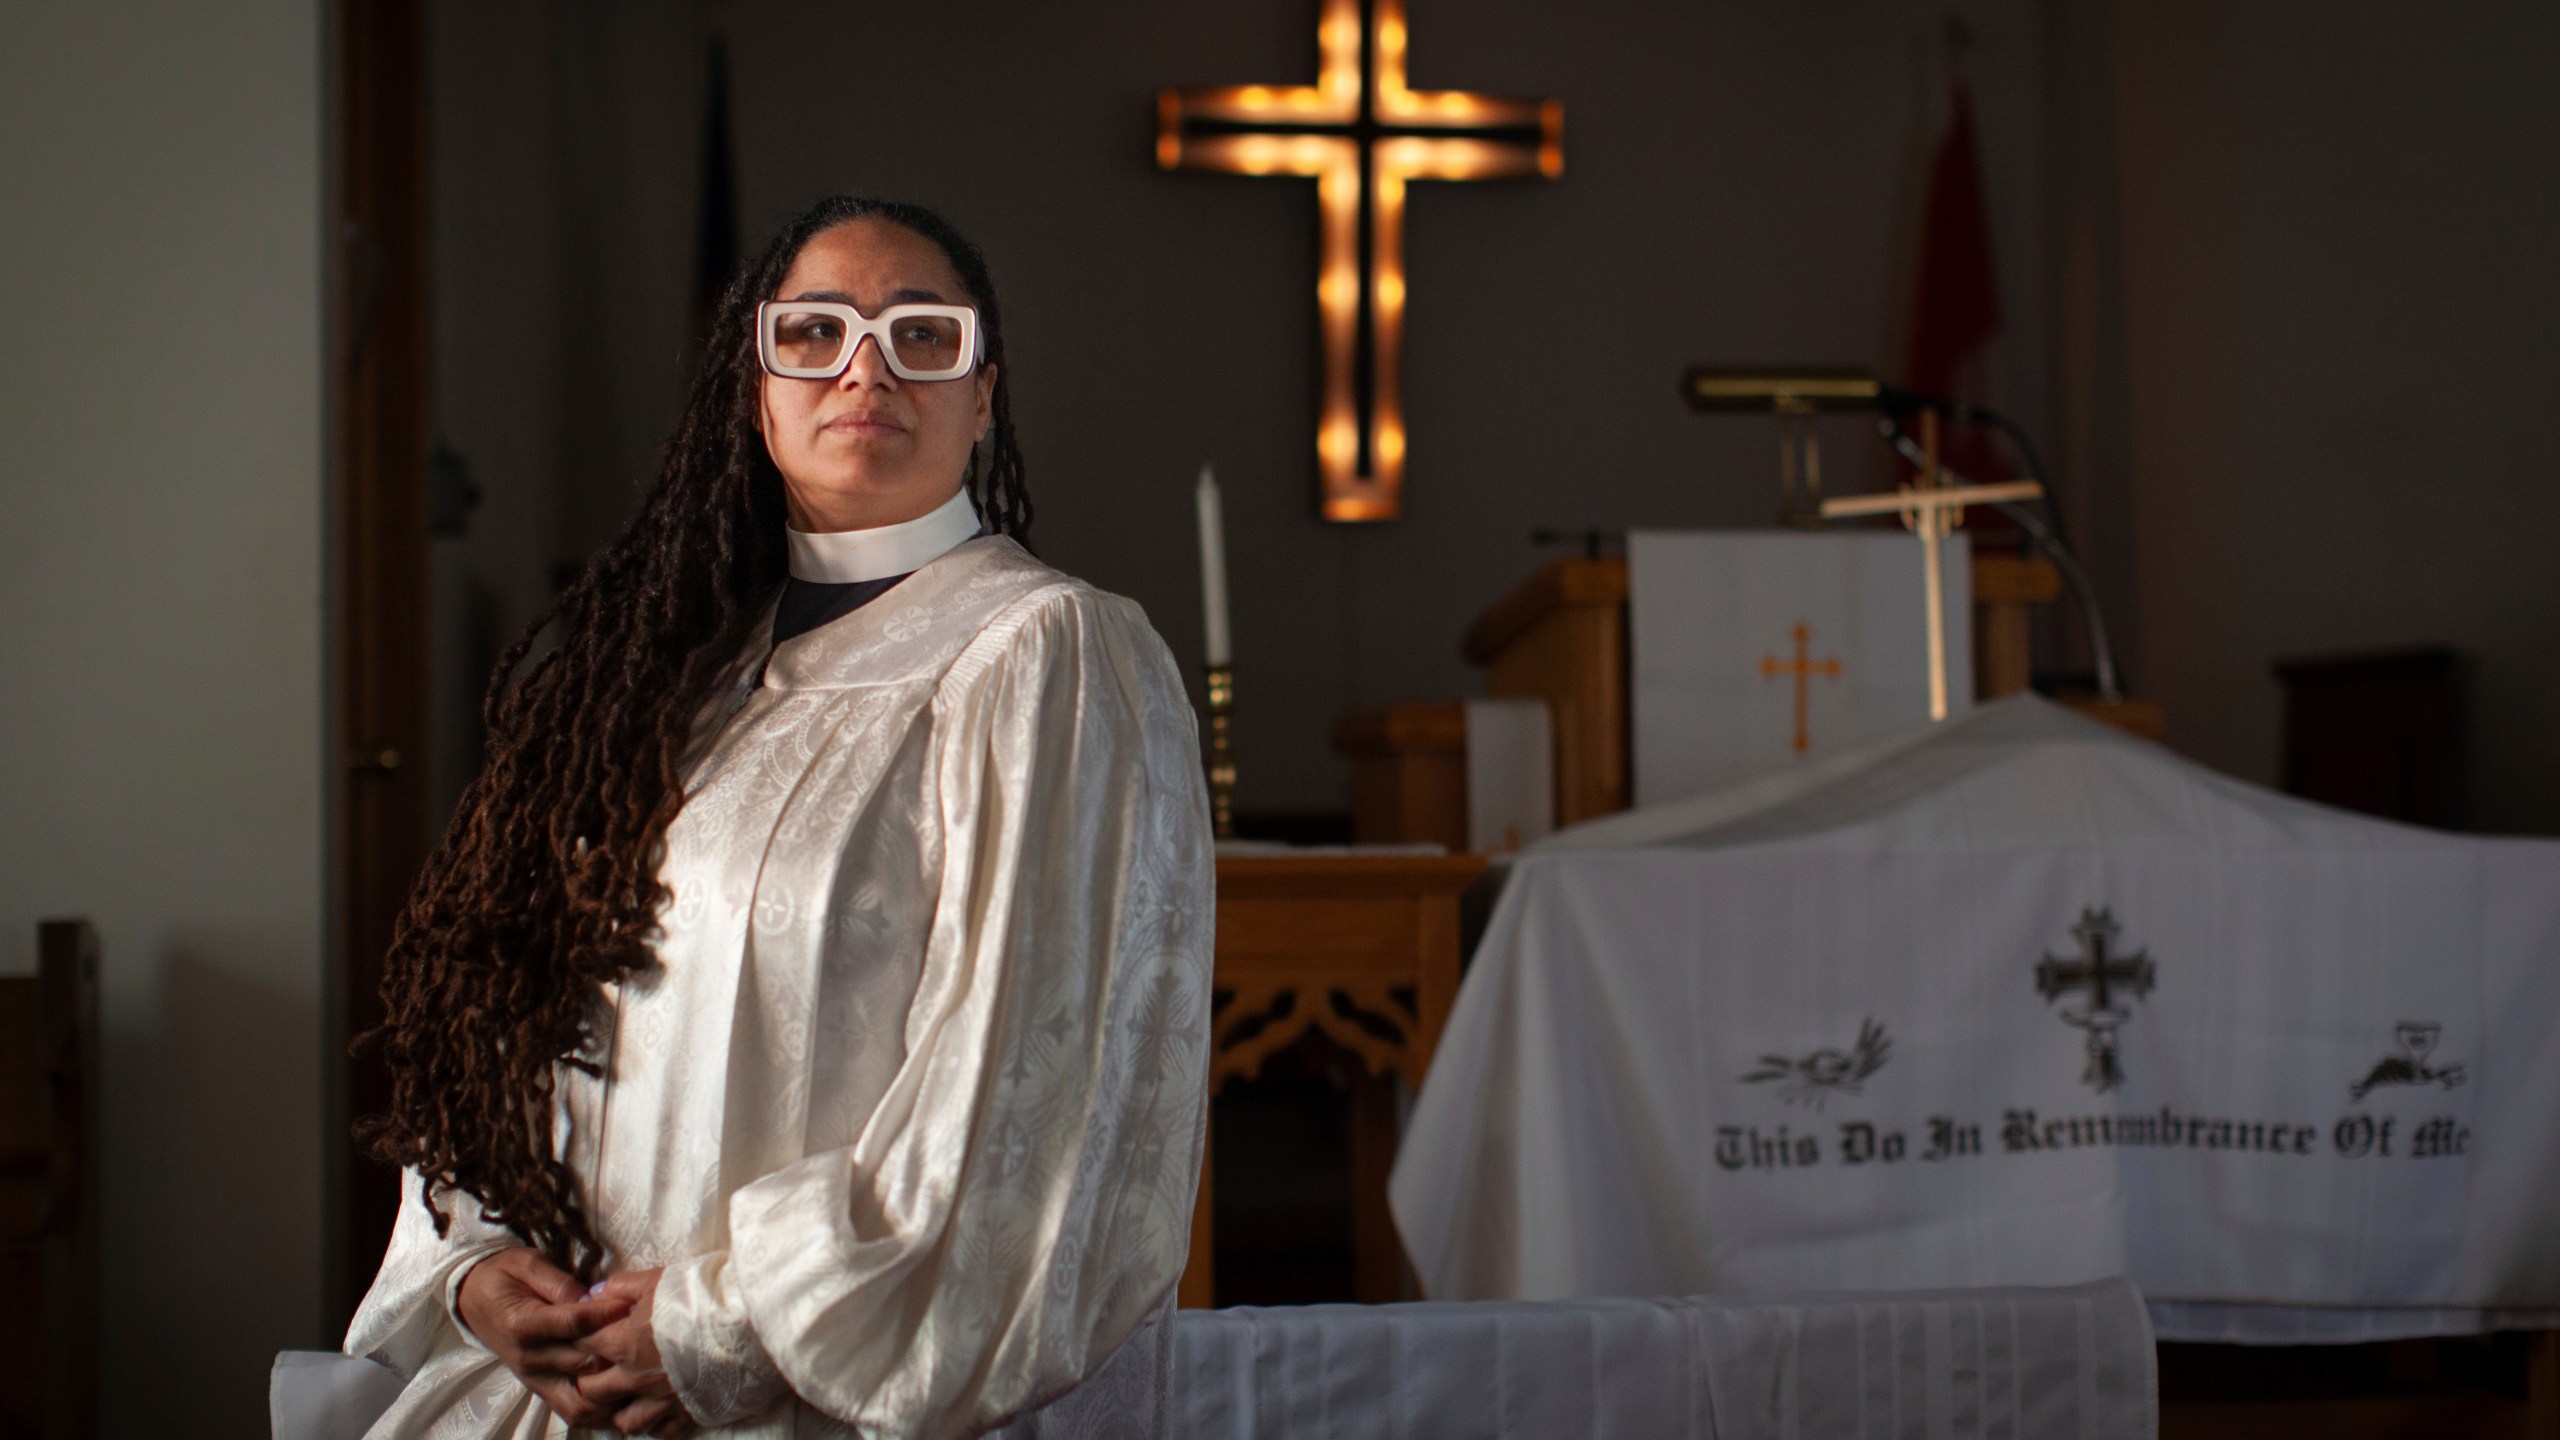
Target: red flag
<point>1955,295</point>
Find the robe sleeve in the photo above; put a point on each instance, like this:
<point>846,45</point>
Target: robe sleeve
<point>1020,1200</point>
<point>407,1317</point>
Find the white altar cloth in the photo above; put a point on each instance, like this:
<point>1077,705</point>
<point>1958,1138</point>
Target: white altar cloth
<point>1835,1030</point>
<point>1984,1365</point>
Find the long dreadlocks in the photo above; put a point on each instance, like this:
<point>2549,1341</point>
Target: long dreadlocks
<point>545,887</point>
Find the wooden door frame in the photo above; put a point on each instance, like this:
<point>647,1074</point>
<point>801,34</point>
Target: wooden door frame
<point>380,434</point>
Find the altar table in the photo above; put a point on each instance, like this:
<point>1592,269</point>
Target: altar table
<point>2014,999</point>
<point>2020,1364</point>
<point>1363,948</point>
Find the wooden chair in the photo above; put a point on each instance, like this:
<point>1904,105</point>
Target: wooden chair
<point>49,1190</point>
<point>2383,733</point>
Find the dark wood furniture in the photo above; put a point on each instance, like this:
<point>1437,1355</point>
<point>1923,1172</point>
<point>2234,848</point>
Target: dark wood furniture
<point>49,1189</point>
<point>2487,1387</point>
<point>2381,733</point>
<point>383,435</point>
<point>1408,773</point>
<point>1561,637</point>
<point>1362,949</point>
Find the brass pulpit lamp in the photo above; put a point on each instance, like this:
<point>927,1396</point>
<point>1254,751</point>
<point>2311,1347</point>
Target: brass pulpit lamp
<point>1795,395</point>
<point>1931,508</point>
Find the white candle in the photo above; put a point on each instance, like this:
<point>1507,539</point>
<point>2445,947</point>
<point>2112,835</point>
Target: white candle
<point>1213,566</point>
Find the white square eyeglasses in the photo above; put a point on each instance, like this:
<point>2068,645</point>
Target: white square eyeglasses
<point>815,339</point>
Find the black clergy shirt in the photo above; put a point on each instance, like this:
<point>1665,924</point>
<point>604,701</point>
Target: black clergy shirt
<point>808,604</point>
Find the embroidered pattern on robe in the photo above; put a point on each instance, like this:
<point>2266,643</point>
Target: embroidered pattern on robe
<point>911,1110</point>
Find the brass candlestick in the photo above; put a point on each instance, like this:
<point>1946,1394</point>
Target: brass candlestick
<point>1222,755</point>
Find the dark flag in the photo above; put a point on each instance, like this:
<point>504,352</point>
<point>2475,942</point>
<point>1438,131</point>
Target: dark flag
<point>715,245</point>
<point>1956,294</point>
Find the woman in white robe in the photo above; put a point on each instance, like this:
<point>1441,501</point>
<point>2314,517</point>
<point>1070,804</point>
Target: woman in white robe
<point>888,1122</point>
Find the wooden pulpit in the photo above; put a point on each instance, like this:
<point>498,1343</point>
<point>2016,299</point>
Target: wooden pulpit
<point>2006,590</point>
<point>1408,773</point>
<point>1364,949</point>
<point>1562,637</point>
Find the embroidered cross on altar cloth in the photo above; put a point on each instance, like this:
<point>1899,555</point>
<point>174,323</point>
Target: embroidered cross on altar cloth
<point>1756,651</point>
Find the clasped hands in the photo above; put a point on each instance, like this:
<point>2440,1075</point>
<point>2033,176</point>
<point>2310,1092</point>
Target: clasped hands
<point>592,1356</point>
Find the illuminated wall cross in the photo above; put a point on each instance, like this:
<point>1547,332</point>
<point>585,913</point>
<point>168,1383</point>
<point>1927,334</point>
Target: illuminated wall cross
<point>1361,135</point>
<point>1804,669</point>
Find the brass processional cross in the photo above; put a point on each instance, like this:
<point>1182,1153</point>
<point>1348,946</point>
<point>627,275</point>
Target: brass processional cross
<point>1360,134</point>
<point>1932,509</point>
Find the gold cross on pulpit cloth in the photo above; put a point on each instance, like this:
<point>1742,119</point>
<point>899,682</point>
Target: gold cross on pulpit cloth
<point>1361,134</point>
<point>1932,510</point>
<point>1804,669</point>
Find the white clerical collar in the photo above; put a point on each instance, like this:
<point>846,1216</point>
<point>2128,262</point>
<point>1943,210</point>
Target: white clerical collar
<point>843,557</point>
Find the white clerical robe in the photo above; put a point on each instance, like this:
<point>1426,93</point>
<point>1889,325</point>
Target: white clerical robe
<point>911,1110</point>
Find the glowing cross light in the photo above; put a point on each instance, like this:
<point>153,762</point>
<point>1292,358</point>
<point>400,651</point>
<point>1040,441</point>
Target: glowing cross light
<point>1360,133</point>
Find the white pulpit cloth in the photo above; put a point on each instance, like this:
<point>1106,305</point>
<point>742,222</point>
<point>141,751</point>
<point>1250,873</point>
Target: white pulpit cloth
<point>1984,1365</point>
<point>1511,774</point>
<point>1756,651</point>
<point>1836,1030</point>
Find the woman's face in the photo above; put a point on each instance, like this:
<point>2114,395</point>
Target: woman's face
<point>867,448</point>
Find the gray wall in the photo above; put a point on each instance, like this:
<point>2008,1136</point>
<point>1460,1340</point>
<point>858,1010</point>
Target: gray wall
<point>1733,177</point>
<point>566,144</point>
<point>2342,327</point>
<point>2278,283</point>
<point>1737,186</point>
<point>160,568</point>
<point>2275,281</point>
